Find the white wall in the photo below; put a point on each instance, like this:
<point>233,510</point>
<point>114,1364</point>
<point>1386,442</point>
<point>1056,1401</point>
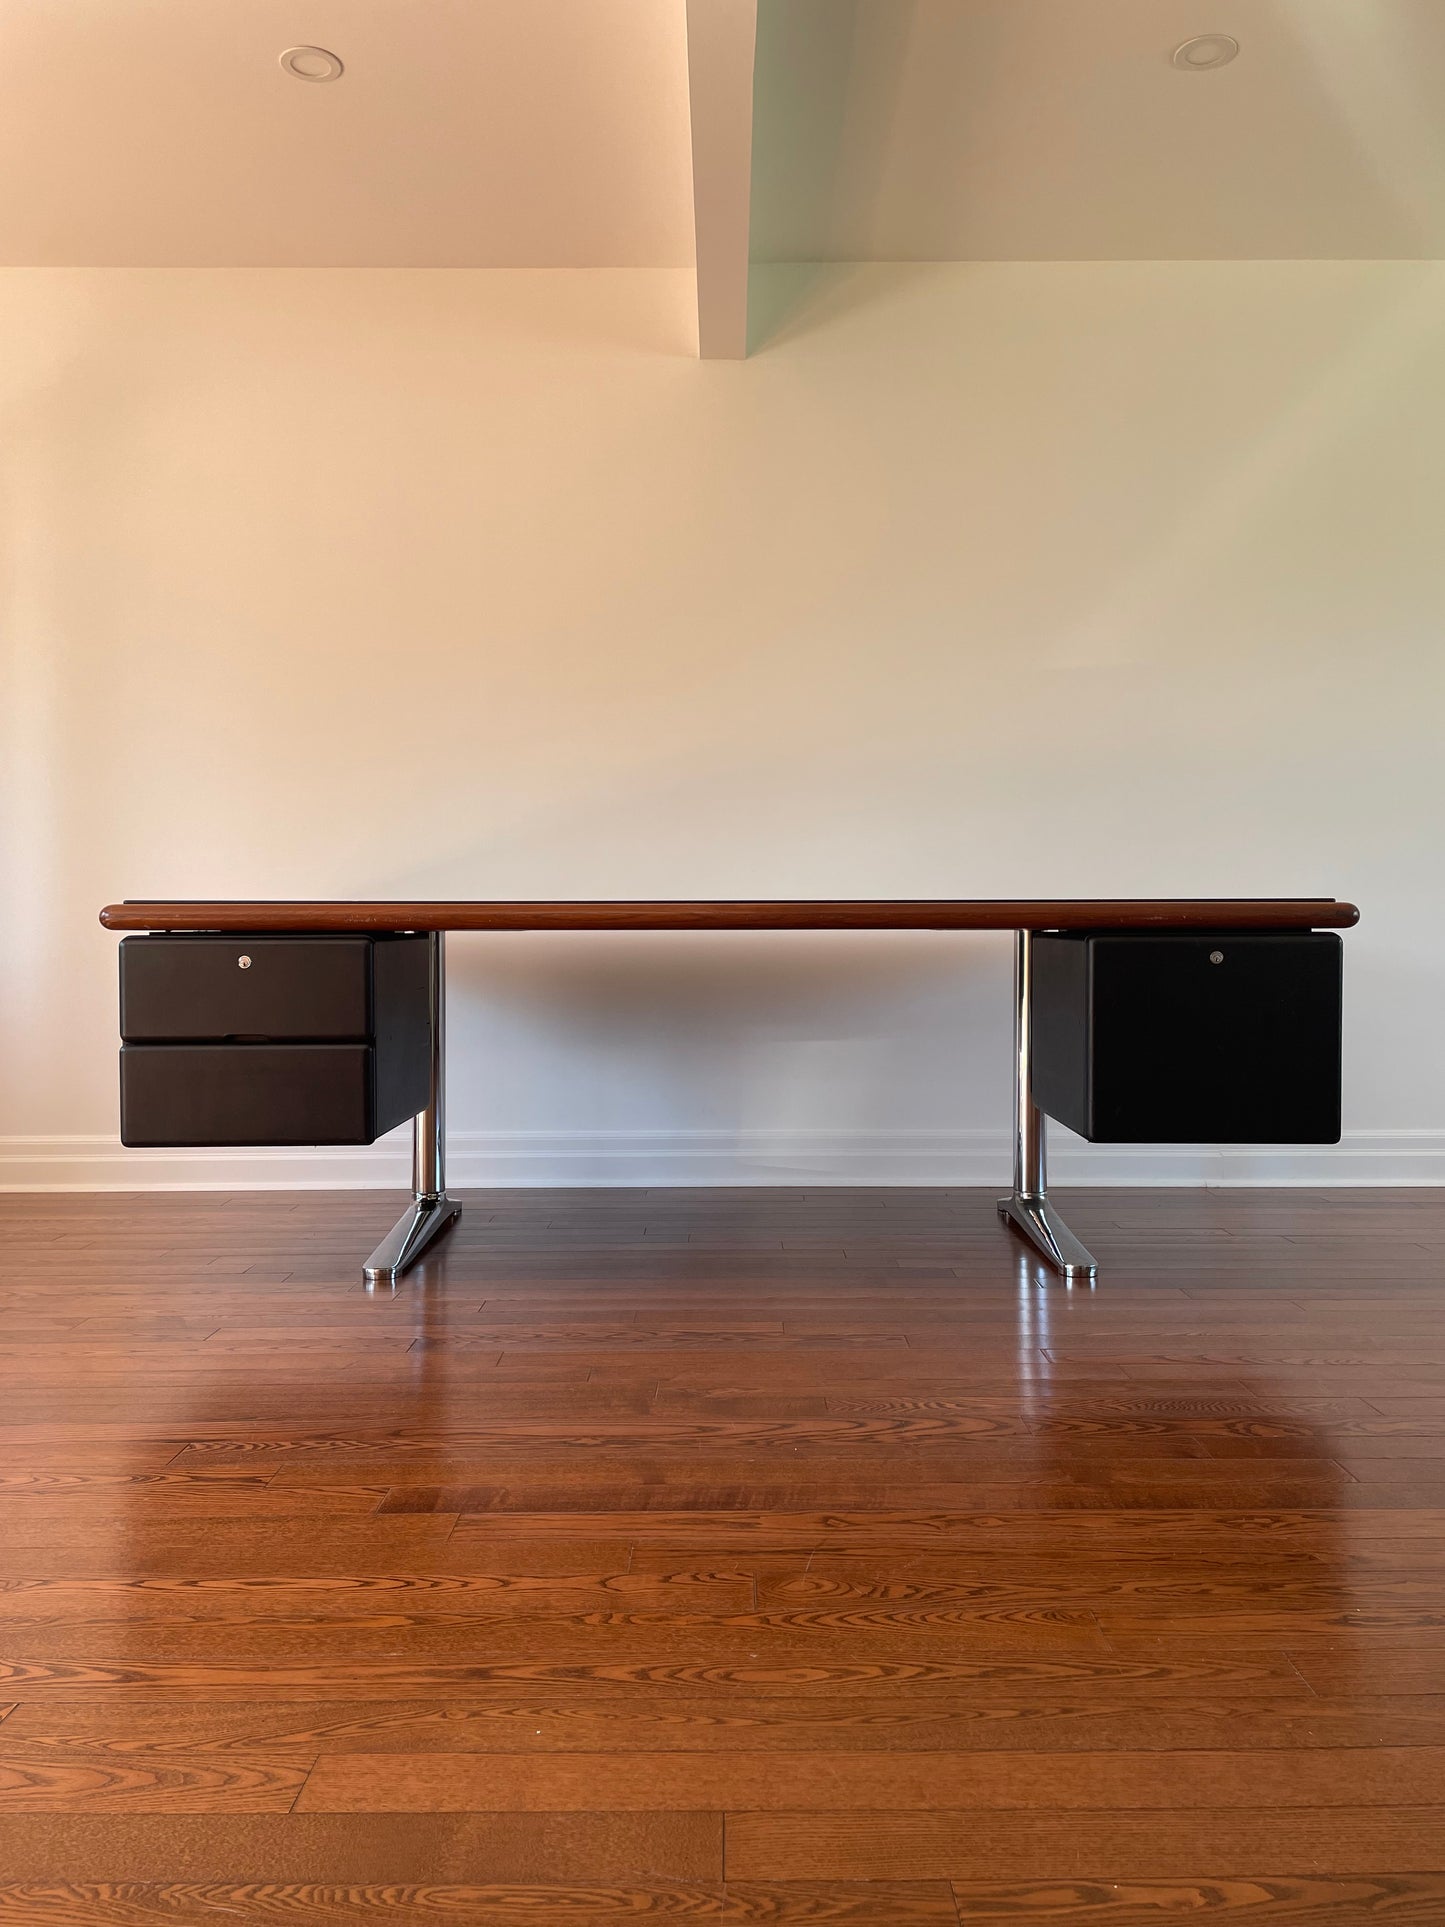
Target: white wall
<point>984,580</point>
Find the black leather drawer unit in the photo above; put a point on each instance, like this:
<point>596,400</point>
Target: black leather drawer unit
<point>271,1039</point>
<point>1179,1038</point>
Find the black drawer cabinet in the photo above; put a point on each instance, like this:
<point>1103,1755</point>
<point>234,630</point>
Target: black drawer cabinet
<point>1144,1038</point>
<point>272,1039</point>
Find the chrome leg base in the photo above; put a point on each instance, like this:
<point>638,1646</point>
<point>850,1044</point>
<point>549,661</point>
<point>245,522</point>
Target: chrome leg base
<point>1038,1221</point>
<point>424,1220</point>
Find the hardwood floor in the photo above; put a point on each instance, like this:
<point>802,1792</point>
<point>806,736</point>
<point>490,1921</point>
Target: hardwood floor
<point>775,1556</point>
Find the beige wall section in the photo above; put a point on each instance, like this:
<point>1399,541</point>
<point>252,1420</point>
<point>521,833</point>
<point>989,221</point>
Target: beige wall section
<point>974,580</point>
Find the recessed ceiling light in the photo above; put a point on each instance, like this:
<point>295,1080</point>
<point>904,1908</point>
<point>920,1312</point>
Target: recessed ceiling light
<point>311,63</point>
<point>1204,51</point>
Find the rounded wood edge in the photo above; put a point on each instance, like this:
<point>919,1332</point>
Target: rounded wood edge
<point>1009,914</point>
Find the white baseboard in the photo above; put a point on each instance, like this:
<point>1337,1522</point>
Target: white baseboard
<point>650,1158</point>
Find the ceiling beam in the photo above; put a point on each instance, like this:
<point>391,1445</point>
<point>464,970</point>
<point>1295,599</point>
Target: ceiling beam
<point>721,37</point>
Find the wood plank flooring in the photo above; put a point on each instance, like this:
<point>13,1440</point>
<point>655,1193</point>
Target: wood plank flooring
<point>735,1557</point>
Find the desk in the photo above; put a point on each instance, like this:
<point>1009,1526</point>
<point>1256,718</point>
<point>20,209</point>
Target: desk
<point>1026,1208</point>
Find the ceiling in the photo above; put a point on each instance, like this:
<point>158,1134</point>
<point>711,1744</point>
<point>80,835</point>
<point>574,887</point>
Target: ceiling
<point>556,132</point>
<point>483,133</point>
<point>1058,130</point>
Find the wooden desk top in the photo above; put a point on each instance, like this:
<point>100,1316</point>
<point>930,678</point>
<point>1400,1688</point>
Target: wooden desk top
<point>1101,913</point>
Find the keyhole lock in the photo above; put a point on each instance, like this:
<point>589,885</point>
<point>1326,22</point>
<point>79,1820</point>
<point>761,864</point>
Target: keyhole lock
<point>1215,956</point>
<point>244,963</point>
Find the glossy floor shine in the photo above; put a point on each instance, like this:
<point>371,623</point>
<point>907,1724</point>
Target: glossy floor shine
<point>720,1556</point>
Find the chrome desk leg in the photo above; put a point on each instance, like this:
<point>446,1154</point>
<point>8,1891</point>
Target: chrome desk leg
<point>1028,1209</point>
<point>431,1209</point>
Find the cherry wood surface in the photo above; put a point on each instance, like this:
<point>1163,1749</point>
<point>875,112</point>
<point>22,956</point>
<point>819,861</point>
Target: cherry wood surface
<point>1182,913</point>
<point>749,1556</point>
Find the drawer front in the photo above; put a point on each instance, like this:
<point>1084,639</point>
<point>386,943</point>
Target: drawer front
<point>172,988</point>
<point>1242,1051</point>
<point>188,1094</point>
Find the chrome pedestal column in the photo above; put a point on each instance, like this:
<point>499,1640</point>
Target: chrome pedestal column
<point>431,1209</point>
<point>1028,1209</point>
